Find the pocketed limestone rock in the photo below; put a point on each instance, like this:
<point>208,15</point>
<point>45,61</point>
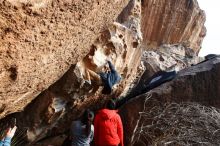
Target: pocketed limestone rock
<point>67,98</point>
<point>41,39</point>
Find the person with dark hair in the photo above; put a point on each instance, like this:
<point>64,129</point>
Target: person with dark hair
<point>6,141</point>
<point>82,131</point>
<point>108,126</point>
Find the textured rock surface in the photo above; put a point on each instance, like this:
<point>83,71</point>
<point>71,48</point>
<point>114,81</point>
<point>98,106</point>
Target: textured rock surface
<point>68,97</point>
<point>41,39</point>
<point>164,58</point>
<point>173,21</point>
<point>168,57</point>
<point>121,43</point>
<point>49,40</point>
<point>198,84</point>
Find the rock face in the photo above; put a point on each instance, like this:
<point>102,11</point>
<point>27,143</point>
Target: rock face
<point>164,58</point>
<point>161,114</point>
<point>47,48</point>
<point>168,57</point>
<point>69,96</point>
<point>121,44</point>
<point>41,39</point>
<point>172,21</point>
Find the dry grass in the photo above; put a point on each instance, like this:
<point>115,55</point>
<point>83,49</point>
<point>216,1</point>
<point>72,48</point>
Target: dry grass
<point>179,124</point>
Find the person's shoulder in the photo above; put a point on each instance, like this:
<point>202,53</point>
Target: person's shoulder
<point>117,115</point>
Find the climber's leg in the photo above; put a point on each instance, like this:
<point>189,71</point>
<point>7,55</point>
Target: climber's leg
<point>93,76</point>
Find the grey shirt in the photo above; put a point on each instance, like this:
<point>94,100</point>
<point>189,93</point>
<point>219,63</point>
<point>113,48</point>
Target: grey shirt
<point>79,136</point>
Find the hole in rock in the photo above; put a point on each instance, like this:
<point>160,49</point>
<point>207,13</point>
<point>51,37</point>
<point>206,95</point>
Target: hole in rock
<point>14,72</point>
<point>120,36</point>
<point>161,58</point>
<point>135,44</point>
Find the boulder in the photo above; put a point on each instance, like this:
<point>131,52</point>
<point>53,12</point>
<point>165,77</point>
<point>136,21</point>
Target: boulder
<point>65,100</point>
<point>40,40</point>
<point>153,118</point>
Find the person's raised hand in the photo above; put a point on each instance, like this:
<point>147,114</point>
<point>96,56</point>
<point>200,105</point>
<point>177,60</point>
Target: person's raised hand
<point>11,132</point>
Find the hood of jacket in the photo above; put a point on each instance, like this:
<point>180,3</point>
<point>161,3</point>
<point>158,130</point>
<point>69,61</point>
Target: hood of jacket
<point>107,114</point>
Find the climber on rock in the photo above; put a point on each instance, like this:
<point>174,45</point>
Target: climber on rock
<point>107,79</point>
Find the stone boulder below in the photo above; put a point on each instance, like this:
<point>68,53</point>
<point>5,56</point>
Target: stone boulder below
<point>153,118</point>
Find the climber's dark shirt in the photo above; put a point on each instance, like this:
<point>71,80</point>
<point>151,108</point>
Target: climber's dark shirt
<point>109,79</point>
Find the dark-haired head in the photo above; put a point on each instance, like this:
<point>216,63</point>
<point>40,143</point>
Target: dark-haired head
<point>110,104</point>
<point>87,119</point>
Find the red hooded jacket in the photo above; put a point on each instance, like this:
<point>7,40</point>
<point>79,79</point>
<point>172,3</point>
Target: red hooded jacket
<point>108,129</point>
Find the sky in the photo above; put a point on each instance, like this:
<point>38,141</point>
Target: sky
<point>211,42</point>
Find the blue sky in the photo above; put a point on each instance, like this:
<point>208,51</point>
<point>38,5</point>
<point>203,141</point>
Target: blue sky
<point>211,43</point>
